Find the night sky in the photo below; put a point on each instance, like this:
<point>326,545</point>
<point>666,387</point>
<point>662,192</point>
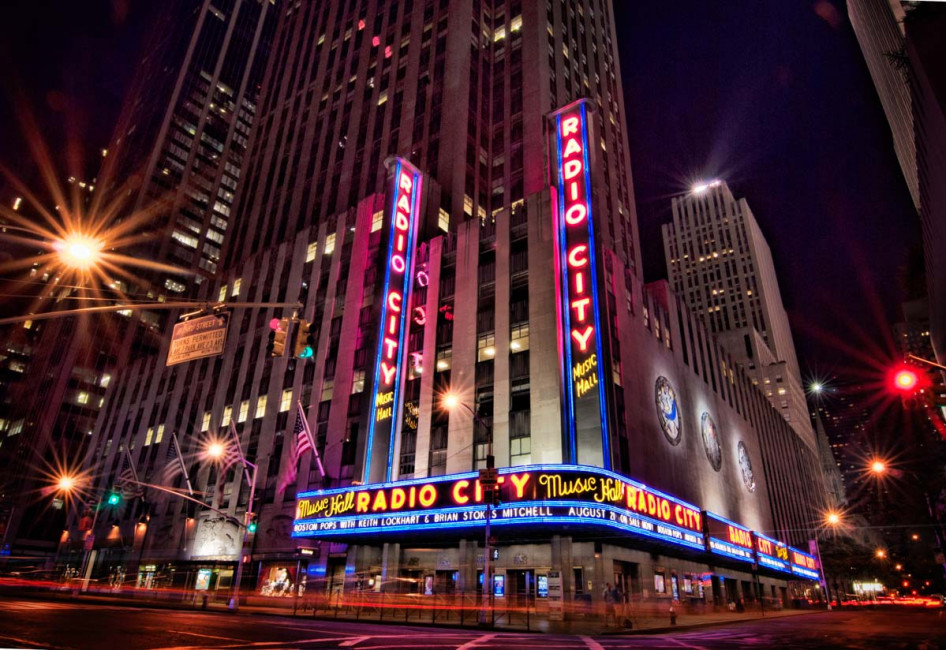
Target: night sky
<point>772,96</point>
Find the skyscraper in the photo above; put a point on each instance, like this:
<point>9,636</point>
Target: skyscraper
<point>719,262</point>
<point>878,25</point>
<point>439,196</point>
<point>173,168</point>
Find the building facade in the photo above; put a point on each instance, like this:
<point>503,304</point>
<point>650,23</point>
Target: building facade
<point>719,262</point>
<point>492,258</point>
<point>168,181</point>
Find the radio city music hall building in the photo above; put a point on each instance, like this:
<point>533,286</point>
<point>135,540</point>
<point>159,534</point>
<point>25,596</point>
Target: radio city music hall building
<point>630,447</point>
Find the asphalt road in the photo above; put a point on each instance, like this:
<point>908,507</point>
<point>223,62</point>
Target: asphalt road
<point>48,624</point>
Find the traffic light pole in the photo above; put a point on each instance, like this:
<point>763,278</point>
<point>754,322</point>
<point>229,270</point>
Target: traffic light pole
<point>248,519</point>
<point>144,306</point>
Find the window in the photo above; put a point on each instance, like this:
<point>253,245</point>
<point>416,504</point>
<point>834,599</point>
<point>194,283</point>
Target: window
<point>82,397</point>
<point>227,415</point>
<point>443,220</point>
<point>444,358</point>
<point>104,381</point>
<point>244,410</point>
<point>160,435</point>
<point>330,244</point>
<point>148,435</point>
<point>519,338</point>
<point>311,251</point>
<point>485,347</point>
<point>205,422</point>
<point>285,401</point>
<point>377,220</point>
<point>260,406</point>
<point>358,382</point>
<point>236,287</point>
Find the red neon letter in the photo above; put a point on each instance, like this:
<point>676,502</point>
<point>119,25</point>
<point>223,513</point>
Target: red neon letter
<point>520,483</point>
<point>582,337</point>
<point>576,214</point>
<point>571,147</point>
<point>579,305</point>
<point>398,264</point>
<point>387,372</point>
<point>577,258</point>
<point>406,183</point>
<point>570,125</point>
<point>427,496</point>
<point>571,169</point>
<point>394,301</point>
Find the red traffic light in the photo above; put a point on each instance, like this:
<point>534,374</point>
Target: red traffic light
<point>905,379</point>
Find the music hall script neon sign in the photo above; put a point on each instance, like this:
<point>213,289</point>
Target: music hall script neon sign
<point>586,419</point>
<point>396,293</point>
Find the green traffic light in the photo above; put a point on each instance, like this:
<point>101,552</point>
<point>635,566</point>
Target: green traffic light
<point>252,527</point>
<point>114,499</point>
<point>307,353</point>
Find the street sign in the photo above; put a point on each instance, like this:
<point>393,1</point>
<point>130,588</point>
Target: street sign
<point>489,476</point>
<point>198,338</point>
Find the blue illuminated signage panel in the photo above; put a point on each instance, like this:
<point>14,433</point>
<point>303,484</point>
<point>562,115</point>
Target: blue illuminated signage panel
<point>401,230</point>
<point>583,373</point>
<point>530,495</point>
<point>803,564</point>
<point>724,537</point>
<point>771,553</point>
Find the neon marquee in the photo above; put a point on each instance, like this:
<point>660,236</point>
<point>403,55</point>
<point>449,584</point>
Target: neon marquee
<point>771,553</point>
<point>803,564</point>
<point>545,494</point>
<point>396,294</point>
<point>728,538</point>
<point>583,372</point>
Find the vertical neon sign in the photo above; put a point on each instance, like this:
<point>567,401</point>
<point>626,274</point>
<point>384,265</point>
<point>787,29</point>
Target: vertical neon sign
<point>384,414</point>
<point>586,415</point>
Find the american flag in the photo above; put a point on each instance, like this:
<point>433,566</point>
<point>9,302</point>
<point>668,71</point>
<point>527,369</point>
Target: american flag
<point>127,481</point>
<point>174,464</point>
<point>302,442</point>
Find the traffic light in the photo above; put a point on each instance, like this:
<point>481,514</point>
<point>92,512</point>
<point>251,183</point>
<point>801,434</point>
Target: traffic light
<point>279,330</point>
<point>305,341</point>
<point>251,528</point>
<point>114,498</point>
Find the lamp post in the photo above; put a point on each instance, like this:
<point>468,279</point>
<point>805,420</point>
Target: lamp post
<point>488,479</point>
<point>218,450</point>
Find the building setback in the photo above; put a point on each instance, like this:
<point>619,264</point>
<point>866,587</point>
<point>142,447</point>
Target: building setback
<point>719,262</point>
<point>521,298</point>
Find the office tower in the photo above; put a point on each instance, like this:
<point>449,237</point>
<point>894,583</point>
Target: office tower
<point>878,25</point>
<point>471,236</point>
<point>719,262</point>
<point>925,52</point>
<point>173,168</point>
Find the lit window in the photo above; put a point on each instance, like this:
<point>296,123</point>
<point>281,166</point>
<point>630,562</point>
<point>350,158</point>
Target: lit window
<point>467,205</point>
<point>223,294</point>
<point>519,338</point>
<point>358,382</point>
<point>27,324</point>
<point>311,251</point>
<point>244,410</point>
<point>160,435</point>
<point>227,415</point>
<point>515,24</point>
<point>781,391</point>
<point>444,359</point>
<point>328,389</point>
<point>82,397</point>
<point>443,220</point>
<point>377,220</point>
<point>148,436</point>
<point>104,381</point>
<point>205,422</point>
<point>330,244</point>
<point>236,287</point>
<point>261,406</point>
<point>383,97</point>
<point>485,347</point>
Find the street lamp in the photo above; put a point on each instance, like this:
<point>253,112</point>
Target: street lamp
<point>880,553</point>
<point>488,479</point>
<point>878,467</point>
<point>218,451</point>
<point>79,251</point>
<point>833,518</point>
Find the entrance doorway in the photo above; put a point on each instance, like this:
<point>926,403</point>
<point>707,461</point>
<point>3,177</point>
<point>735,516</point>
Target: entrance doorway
<point>627,578</point>
<point>520,587</point>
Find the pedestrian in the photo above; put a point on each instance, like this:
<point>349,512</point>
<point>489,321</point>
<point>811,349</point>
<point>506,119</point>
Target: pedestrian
<point>608,595</point>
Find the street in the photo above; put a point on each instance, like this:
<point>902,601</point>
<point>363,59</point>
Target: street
<point>29,623</point>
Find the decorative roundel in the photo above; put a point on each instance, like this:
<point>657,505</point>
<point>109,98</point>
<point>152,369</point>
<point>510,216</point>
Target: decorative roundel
<point>745,464</point>
<point>711,441</point>
<point>668,412</point>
